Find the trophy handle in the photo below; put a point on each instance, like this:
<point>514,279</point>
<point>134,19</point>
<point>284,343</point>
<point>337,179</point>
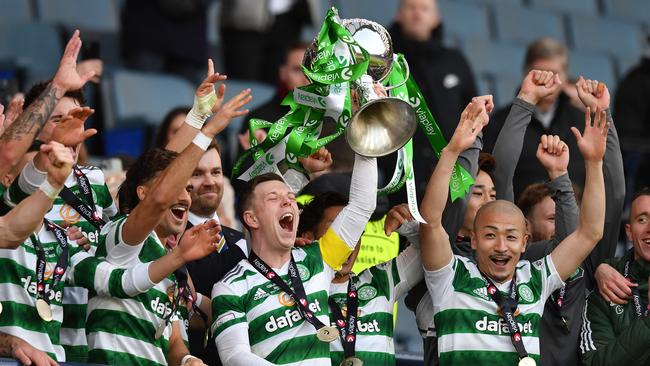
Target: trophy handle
<point>408,74</point>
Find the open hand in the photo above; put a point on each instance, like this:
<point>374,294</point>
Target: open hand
<point>593,94</point>
<point>199,241</point>
<point>67,77</point>
<point>593,141</point>
<point>472,121</point>
<point>70,130</point>
<point>59,163</point>
<point>27,354</point>
<point>229,110</point>
<point>553,154</point>
<point>539,84</point>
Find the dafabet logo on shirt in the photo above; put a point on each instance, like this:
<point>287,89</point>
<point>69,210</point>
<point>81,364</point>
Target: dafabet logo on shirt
<point>289,318</point>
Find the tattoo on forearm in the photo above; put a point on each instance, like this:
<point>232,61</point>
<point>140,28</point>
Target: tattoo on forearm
<point>31,121</point>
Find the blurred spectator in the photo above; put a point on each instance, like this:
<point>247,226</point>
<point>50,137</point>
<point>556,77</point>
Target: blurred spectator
<point>290,76</point>
<point>165,36</point>
<point>257,33</point>
<point>442,73</point>
<point>170,124</point>
<point>632,112</point>
<point>554,116</point>
<point>173,120</point>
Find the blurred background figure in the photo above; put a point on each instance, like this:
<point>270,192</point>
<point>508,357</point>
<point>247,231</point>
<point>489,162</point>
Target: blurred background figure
<point>263,31</point>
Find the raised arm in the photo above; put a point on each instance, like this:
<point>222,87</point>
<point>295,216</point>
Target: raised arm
<point>206,102</point>
<point>573,250</point>
<point>23,219</point>
<point>435,247</point>
<point>342,236</point>
<point>18,137</point>
<point>594,94</point>
<point>507,149</point>
<point>146,215</point>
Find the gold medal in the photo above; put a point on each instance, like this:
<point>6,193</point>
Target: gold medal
<point>327,334</point>
<point>160,330</point>
<point>527,361</point>
<point>43,309</point>
<point>352,361</point>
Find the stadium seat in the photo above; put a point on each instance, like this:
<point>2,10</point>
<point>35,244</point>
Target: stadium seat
<point>588,7</point>
<point>494,58</point>
<point>522,25</point>
<point>15,11</point>
<point>382,13</point>
<point>464,20</point>
<point>635,10</point>
<point>143,97</point>
<point>95,15</point>
<point>32,46</point>
<point>605,35</point>
<point>593,66</point>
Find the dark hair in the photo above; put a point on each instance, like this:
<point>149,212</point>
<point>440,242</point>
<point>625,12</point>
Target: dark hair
<point>214,144</point>
<point>246,192</point>
<point>487,164</point>
<point>161,135</point>
<point>297,46</point>
<point>38,88</point>
<point>645,191</point>
<point>312,213</point>
<point>544,49</point>
<point>146,168</point>
<point>531,196</point>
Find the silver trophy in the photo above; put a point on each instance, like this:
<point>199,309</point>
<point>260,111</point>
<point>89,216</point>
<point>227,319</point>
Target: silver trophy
<point>381,125</point>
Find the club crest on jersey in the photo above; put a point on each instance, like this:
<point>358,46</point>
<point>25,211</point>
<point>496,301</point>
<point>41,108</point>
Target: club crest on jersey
<point>69,214</point>
<point>526,293</point>
<point>367,292</point>
<point>303,272</point>
<point>285,300</point>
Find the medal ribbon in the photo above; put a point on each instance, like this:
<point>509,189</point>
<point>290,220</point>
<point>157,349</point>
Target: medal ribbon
<point>347,326</point>
<point>86,209</point>
<point>558,299</point>
<point>640,309</point>
<point>299,296</point>
<point>61,262</point>
<point>508,305</point>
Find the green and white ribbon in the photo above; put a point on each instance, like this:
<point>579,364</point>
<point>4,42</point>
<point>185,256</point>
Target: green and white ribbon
<point>297,133</point>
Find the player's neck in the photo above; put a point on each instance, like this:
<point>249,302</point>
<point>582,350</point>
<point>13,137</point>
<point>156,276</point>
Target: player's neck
<point>273,255</point>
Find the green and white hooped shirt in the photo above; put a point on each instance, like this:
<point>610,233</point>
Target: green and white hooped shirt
<point>122,331</point>
<point>469,329</point>
<point>18,288</point>
<point>75,298</point>
<point>378,288</point>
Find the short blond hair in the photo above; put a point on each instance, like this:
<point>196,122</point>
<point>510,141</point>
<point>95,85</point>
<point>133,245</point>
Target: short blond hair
<point>545,49</point>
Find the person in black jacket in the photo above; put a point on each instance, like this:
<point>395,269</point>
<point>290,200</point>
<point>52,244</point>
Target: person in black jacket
<point>553,115</point>
<point>442,73</point>
<point>207,191</point>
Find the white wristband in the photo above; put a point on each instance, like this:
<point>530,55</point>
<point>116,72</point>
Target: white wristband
<point>49,191</point>
<point>202,141</point>
<point>187,358</point>
<point>199,299</point>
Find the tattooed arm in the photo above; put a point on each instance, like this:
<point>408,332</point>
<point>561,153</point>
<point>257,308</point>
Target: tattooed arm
<point>15,141</point>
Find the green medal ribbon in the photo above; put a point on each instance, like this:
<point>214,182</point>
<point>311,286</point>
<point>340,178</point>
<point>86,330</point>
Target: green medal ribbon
<point>461,180</point>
